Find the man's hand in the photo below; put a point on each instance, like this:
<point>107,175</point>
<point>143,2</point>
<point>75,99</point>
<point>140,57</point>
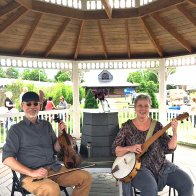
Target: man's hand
<point>39,173</point>
<point>61,126</point>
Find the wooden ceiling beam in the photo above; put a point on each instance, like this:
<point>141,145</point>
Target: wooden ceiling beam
<point>12,19</point>
<point>171,30</point>
<point>108,8</point>
<point>152,37</point>
<point>30,33</point>
<point>25,3</point>
<point>187,14</point>
<point>192,2</point>
<point>78,40</point>
<point>48,8</point>
<point>102,38</point>
<point>9,8</point>
<point>158,6</point>
<point>128,39</point>
<point>57,36</point>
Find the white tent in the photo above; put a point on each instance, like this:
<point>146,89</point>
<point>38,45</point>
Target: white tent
<point>183,76</point>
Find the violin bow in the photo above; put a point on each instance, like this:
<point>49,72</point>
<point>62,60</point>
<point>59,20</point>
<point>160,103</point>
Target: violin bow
<point>70,170</point>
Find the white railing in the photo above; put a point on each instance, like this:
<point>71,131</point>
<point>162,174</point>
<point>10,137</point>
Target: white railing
<point>186,131</point>
<point>8,119</point>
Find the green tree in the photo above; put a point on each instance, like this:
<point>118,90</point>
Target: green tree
<point>35,75</point>
<point>12,73</point>
<point>139,76</point>
<point>63,76</point>
<point>150,88</point>
<point>60,89</point>
<point>90,101</point>
<point>2,73</point>
<point>16,89</point>
<point>148,83</point>
<point>135,77</point>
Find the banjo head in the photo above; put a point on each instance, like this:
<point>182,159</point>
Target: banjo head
<point>125,165</point>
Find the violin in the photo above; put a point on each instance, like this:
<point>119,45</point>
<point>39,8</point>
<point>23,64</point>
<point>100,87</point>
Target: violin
<point>69,151</point>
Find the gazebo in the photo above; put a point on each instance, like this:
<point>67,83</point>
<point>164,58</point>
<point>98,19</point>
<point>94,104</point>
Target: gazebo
<point>98,34</point>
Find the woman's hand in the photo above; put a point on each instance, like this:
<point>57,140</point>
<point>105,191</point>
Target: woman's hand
<point>120,151</point>
<point>174,125</point>
<point>173,141</point>
<point>137,148</point>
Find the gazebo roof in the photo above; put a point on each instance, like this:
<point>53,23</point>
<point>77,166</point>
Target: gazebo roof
<point>33,28</point>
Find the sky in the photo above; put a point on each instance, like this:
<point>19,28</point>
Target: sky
<point>118,74</point>
<point>90,75</point>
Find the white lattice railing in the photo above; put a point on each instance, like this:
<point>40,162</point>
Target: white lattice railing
<point>33,63</point>
<point>186,131</point>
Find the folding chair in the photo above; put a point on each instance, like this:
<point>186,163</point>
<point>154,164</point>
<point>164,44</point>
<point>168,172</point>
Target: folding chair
<point>17,187</point>
<point>137,192</point>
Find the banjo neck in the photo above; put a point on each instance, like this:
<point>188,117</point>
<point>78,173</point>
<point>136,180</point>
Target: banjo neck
<point>158,134</point>
<point>152,139</point>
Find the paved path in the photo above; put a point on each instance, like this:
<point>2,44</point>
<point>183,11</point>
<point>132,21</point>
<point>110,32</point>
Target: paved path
<point>104,184</point>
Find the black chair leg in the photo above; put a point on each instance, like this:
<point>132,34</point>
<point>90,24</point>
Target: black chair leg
<point>174,192</point>
<point>169,191</point>
<point>65,191</point>
<point>13,188</point>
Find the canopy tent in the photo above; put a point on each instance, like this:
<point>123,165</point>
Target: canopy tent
<point>183,76</point>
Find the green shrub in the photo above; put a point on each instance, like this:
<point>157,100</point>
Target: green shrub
<point>90,101</point>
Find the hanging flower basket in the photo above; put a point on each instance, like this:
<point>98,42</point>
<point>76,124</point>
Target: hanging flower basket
<point>100,94</point>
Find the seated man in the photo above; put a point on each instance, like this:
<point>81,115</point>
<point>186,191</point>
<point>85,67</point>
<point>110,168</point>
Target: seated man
<point>29,150</point>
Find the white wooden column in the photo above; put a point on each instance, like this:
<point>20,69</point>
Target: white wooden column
<point>76,102</point>
<point>162,92</point>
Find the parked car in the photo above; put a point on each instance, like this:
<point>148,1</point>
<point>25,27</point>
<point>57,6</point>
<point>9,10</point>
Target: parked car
<point>177,97</point>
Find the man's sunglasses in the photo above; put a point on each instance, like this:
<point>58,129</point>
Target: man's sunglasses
<point>30,104</point>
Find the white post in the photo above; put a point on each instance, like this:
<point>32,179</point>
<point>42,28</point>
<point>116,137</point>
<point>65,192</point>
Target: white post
<point>76,101</point>
<point>162,92</point>
<point>84,4</point>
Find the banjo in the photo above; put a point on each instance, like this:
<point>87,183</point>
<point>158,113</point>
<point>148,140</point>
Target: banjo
<point>125,167</point>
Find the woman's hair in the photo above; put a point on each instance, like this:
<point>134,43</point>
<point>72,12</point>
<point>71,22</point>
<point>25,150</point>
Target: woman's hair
<point>142,97</point>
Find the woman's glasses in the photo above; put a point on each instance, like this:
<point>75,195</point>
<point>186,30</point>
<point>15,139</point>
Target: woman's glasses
<point>30,103</point>
<point>143,106</point>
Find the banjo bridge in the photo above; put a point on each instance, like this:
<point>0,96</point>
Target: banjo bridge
<point>116,168</point>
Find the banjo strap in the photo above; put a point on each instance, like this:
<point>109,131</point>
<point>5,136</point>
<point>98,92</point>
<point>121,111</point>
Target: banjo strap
<point>151,129</point>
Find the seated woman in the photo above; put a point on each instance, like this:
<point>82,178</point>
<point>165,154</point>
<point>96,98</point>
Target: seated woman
<point>50,104</point>
<point>62,104</point>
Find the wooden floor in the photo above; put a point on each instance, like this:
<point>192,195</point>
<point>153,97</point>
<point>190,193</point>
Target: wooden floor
<point>105,185</point>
